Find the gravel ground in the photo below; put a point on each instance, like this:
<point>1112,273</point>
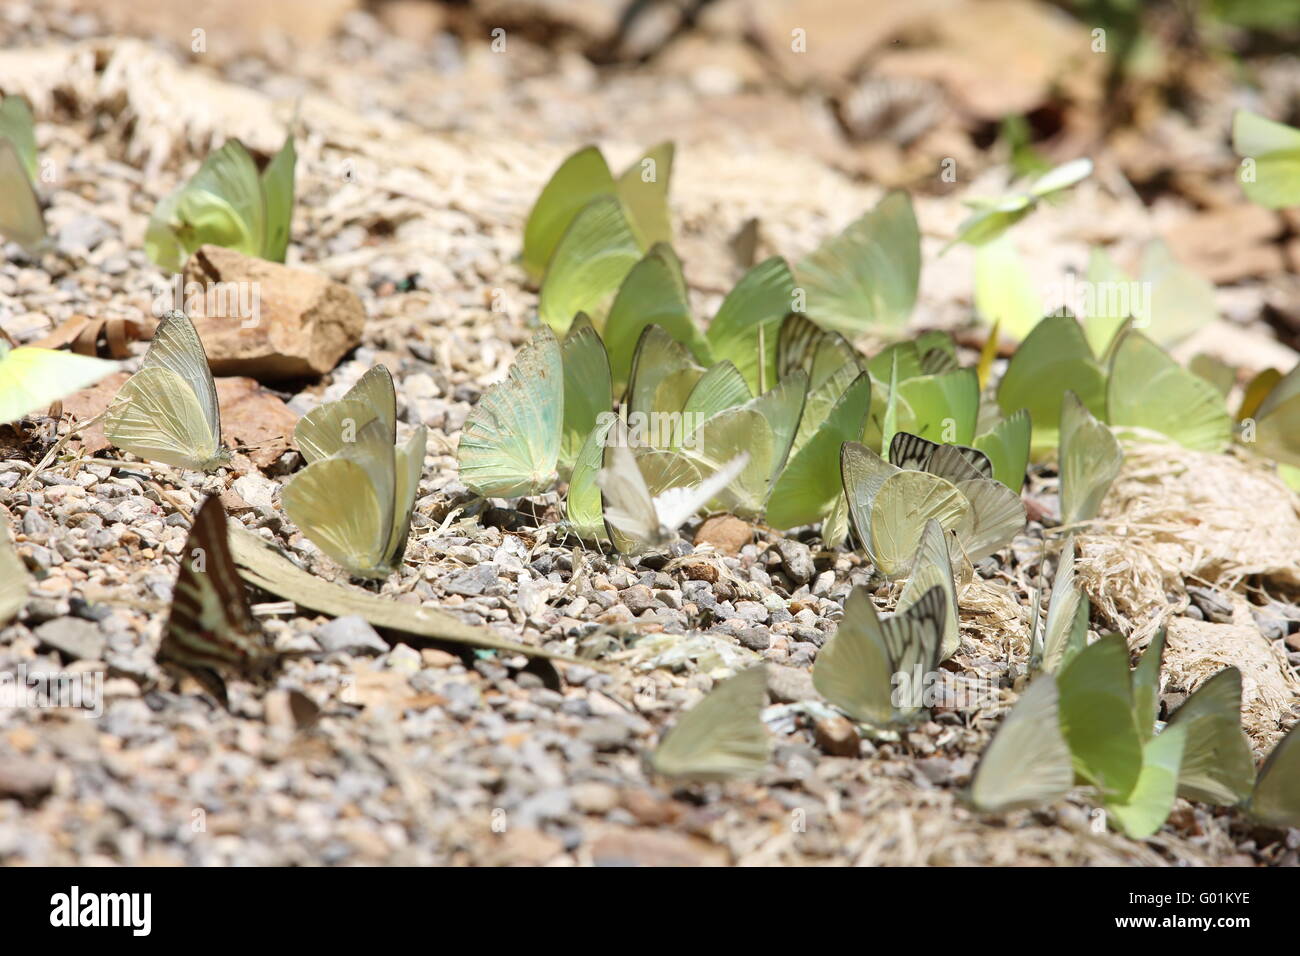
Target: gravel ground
<point>423,754</point>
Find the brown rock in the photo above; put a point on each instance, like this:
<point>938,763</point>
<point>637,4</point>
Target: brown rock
<point>1229,244</point>
<point>701,571</point>
<point>413,20</point>
<point>837,736</point>
<point>726,533</point>
<point>301,324</point>
<point>88,403</point>
<point>254,420</point>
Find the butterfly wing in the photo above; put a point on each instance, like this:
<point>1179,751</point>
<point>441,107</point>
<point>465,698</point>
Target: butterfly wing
<point>588,390</point>
<point>676,505</point>
<point>31,378</point>
<point>1276,799</point>
<point>1028,761</point>
<point>510,445</point>
<point>932,567</point>
<point>329,428</point>
<point>1090,461</point>
<point>1218,766</point>
<point>853,669</point>
<point>629,510</point>
<point>994,517</point>
<point>20,210</point>
<point>277,187</point>
<point>721,737</point>
<point>914,639</point>
<point>176,345</point>
<point>210,628</point>
<point>157,416</point>
<point>409,465</point>
<point>335,504</point>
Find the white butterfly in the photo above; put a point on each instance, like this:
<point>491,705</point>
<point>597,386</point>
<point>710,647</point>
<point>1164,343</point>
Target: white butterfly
<point>168,410</point>
<point>635,519</point>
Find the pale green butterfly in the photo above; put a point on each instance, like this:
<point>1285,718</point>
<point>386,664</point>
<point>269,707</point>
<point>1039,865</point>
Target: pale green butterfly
<point>1146,686</point>
<point>763,427</point>
<point>595,254</point>
<point>1167,301</point>
<point>723,736</point>
<point>1090,459</point>
<point>168,410</point>
<point>1275,800</point>
<point>663,374</point>
<point>721,387</point>
<point>642,191</point>
<point>875,670</point>
<point>1006,445</point>
<point>1218,766</point>
<point>1053,359</point>
<point>227,203</point>
<point>13,580</point>
<point>652,293</point>
<point>809,484</point>
<point>1005,293</point>
<point>1097,717</point>
<point>1065,632</point>
<point>931,567</point>
<point>21,219</point>
<point>1276,420</point>
<point>588,391</point>
<point>867,275</point>
<point>992,217</point>
<point>1147,805</point>
<point>753,312</point>
<point>356,502</point>
<point>330,427</point>
<point>583,510</point>
<point>1148,392</point>
<point>1028,761</point>
<point>32,379</point>
<point>995,513</point>
<point>510,445</point>
<point>1272,150</point>
<point>889,506</point>
<point>939,406</point>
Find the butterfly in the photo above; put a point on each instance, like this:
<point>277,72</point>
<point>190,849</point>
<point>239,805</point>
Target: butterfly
<point>1090,459</point>
<point>640,196</point>
<point>1168,300</point>
<point>1053,359</point>
<point>637,520</point>
<point>13,580</point>
<point>1006,445</point>
<point>1218,766</point>
<point>168,410</point>
<point>932,567</point>
<point>993,216</point>
<point>867,275</point>
<point>1273,151</point>
<point>1028,761</point>
<point>889,506</point>
<point>210,632</point>
<point>21,219</point>
<point>355,498</point>
<point>1147,391</point>
<point>809,486</point>
<point>1276,419</point>
<point>721,737</point>
<point>31,379</point>
<point>1066,630</point>
<point>876,670</point>
<point>1275,801</point>
<point>510,445</point>
<point>588,390</point>
<point>226,203</point>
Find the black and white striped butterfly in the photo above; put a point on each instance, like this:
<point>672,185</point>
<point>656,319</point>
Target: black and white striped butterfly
<point>210,633</point>
<point>875,669</point>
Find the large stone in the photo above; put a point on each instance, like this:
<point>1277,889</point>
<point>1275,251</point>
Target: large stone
<point>267,320</point>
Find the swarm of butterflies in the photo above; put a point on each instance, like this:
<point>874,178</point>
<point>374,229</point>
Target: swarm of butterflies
<point>772,415</point>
